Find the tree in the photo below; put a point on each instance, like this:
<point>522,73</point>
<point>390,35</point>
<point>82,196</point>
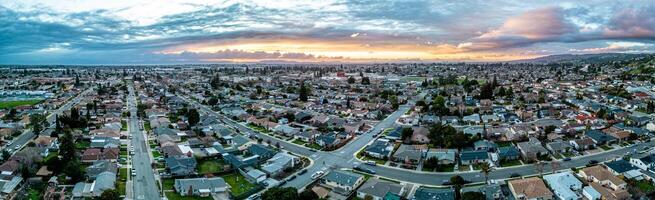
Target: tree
<point>72,169</point>
<point>5,154</point>
<point>407,133</point>
<point>280,193</point>
<point>485,168</point>
<point>193,116</point>
<point>368,197</point>
<point>37,121</point>
<point>215,82</point>
<point>431,163</point>
<point>351,80</point>
<point>366,81</point>
<point>110,195</point>
<point>67,147</point>
<point>304,92</point>
<point>473,196</point>
<point>457,181</point>
<point>212,101</point>
<point>307,195</point>
<point>75,115</point>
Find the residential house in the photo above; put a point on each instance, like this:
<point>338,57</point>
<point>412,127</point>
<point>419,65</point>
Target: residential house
<point>645,163</point>
<point>485,145</point>
<point>342,182</point>
<point>278,163</point>
<point>532,149</point>
<point>262,151</point>
<point>565,185</point>
<point>409,154</point>
<point>203,187</point>
<point>509,153</point>
<point>238,161</point>
<point>619,167</point>
<point>380,148</point>
<point>599,137</point>
<point>603,181</point>
<point>378,189</point>
<point>530,189</point>
<point>559,146</point>
<point>426,193</point>
<point>181,166</point>
<point>582,144</point>
<point>99,167</point>
<point>474,157</point>
<point>443,156</point>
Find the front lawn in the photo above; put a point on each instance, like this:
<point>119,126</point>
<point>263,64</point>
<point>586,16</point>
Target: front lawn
<point>120,186</point>
<point>156,154</point>
<point>257,128</point>
<point>376,160</point>
<point>567,154</point>
<point>122,173</point>
<point>508,163</point>
<point>314,146</point>
<point>299,142</point>
<point>168,184</point>
<point>210,166</point>
<point>123,125</point>
<point>238,184</point>
<point>606,148</point>
<point>440,168</point>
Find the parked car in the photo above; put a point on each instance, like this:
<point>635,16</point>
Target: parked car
<point>302,172</point>
<point>317,174</point>
<point>371,163</point>
<point>566,159</point>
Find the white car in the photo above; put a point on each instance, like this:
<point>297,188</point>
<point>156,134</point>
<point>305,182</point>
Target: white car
<point>317,174</point>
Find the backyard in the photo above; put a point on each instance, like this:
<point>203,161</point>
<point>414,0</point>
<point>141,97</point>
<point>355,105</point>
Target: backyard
<point>238,184</point>
<point>210,166</point>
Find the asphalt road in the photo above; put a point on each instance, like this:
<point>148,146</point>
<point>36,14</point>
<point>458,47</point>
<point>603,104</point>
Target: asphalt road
<point>144,183</point>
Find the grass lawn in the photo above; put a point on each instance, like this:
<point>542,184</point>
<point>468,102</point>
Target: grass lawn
<point>504,144</point>
<point>11,104</point>
<point>386,131</point>
<point>507,163</point>
<point>210,166</point>
<point>168,183</point>
<point>83,144</point>
<point>377,161</point>
<point>155,154</point>
<point>258,128</point>
<point>123,125</point>
<point>122,173</point>
<point>558,156</point>
<point>314,146</point>
<point>176,196</point>
<point>440,168</point>
<point>146,126</point>
<point>645,186</point>
<point>120,186</point>
<point>238,184</point>
<point>34,194</point>
<point>567,154</point>
<point>606,148</point>
<point>299,142</point>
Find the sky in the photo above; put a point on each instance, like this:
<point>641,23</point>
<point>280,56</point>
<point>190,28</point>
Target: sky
<point>323,31</point>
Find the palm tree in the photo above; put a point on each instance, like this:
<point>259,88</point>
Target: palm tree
<point>485,167</point>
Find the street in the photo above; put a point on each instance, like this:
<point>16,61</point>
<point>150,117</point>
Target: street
<point>144,183</point>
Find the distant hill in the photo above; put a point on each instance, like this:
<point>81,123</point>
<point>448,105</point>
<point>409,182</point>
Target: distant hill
<point>581,58</point>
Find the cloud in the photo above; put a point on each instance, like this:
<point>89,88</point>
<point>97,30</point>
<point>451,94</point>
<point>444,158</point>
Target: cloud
<point>636,23</point>
<point>235,54</point>
<point>535,26</point>
<point>624,47</point>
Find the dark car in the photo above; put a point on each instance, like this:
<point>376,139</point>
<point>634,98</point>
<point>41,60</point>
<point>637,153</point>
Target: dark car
<point>291,178</point>
<point>567,159</point>
<point>359,168</point>
<point>302,172</point>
